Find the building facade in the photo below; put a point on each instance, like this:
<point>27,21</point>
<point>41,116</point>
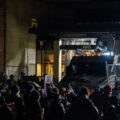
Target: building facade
<point>19,53</point>
<point>18,47</point>
<point>2,36</point>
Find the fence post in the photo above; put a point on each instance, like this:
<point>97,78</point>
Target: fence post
<point>107,71</point>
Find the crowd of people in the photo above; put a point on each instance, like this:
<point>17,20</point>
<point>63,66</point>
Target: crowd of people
<point>56,102</point>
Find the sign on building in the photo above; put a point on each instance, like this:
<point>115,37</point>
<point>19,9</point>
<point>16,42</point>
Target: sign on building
<point>34,23</point>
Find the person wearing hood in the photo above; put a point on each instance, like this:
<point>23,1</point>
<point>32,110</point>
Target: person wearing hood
<point>83,108</point>
<point>36,110</point>
<point>56,109</point>
<point>103,100</point>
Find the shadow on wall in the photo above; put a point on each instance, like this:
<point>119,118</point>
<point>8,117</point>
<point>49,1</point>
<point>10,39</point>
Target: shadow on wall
<point>16,64</point>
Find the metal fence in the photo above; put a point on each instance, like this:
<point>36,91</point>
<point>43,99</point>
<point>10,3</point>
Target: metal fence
<point>114,69</point>
<point>113,73</point>
<point>16,70</point>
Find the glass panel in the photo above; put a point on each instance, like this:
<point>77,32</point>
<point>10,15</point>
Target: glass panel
<point>47,66</point>
<point>90,69</point>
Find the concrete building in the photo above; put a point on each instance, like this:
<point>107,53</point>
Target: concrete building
<point>2,36</point>
<point>19,54</point>
<point>18,47</point>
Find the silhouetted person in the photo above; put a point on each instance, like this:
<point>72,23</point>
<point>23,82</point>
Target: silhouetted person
<point>95,93</point>
<point>3,78</point>
<point>71,96</point>
<point>27,100</point>
<point>103,100</point>
<point>101,47</point>
<point>36,109</point>
<point>115,101</point>
<point>56,109</point>
<point>11,81</point>
<point>5,112</point>
<point>110,113</point>
<point>83,109</point>
<point>18,102</point>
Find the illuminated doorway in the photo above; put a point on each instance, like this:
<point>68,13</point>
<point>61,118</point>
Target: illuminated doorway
<point>45,63</point>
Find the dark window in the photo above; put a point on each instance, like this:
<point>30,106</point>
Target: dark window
<point>89,69</point>
<point>1,3</point>
<point>46,45</point>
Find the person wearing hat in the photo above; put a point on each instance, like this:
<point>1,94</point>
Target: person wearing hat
<point>108,90</point>
<point>103,99</point>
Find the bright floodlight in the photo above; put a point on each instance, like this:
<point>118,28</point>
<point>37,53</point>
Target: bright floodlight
<point>109,53</point>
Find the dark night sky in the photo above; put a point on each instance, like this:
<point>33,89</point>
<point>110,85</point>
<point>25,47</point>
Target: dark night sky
<point>91,10</point>
<point>1,3</point>
<point>88,16</point>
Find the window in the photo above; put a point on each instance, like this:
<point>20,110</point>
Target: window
<point>1,3</point>
<point>46,45</point>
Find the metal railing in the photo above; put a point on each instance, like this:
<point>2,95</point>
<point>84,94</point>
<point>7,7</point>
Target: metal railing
<point>16,70</point>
